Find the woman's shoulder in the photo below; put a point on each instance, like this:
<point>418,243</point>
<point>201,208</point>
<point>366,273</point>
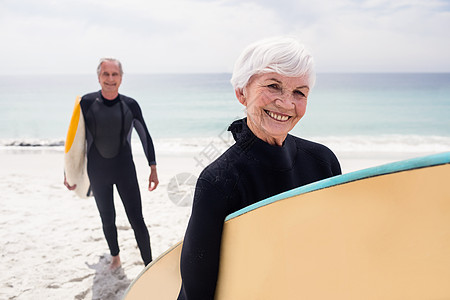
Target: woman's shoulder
<point>223,172</point>
<point>305,144</point>
<point>315,150</point>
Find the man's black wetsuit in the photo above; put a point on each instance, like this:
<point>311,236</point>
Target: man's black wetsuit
<point>249,171</point>
<point>109,125</point>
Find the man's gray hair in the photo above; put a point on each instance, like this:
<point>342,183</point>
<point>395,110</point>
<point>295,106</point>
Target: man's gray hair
<point>102,60</point>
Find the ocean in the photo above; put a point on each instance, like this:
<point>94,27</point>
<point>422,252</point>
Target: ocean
<point>392,112</point>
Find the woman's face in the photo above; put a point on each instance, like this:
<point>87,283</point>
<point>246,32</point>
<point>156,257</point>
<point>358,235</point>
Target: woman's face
<point>275,103</point>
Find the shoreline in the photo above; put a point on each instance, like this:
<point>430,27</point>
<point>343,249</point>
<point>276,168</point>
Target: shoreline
<point>52,242</point>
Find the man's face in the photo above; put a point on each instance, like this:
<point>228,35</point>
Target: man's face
<point>110,77</point>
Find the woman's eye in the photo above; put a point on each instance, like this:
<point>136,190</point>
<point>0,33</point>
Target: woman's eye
<point>299,93</point>
<point>274,86</point>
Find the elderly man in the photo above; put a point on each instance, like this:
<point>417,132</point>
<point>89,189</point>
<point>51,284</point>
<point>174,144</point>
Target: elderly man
<point>110,118</point>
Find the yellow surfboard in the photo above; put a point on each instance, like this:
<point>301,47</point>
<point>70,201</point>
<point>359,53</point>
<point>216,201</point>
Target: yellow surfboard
<point>379,233</point>
<point>75,153</point>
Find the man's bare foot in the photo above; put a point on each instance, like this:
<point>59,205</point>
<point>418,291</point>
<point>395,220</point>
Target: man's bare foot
<point>115,263</point>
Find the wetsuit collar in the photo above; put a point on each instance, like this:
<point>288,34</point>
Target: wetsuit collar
<point>108,102</point>
<point>275,157</point>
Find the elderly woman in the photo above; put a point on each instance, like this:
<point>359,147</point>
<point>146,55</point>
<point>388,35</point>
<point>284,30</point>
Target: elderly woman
<point>272,79</point>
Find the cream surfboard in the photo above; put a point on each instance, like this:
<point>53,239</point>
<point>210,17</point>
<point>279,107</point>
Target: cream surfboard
<point>75,153</point>
<point>379,233</point>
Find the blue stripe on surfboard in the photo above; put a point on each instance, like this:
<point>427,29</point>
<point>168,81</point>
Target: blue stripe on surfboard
<point>410,164</point>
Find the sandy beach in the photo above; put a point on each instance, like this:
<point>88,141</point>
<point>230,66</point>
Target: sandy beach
<point>52,244</point>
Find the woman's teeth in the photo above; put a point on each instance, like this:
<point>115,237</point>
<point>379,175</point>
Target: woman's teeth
<point>277,116</point>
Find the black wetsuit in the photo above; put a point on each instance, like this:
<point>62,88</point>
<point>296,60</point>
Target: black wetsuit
<point>109,125</point>
<point>249,171</point>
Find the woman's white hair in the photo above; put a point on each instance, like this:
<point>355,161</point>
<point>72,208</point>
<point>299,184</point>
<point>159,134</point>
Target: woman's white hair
<point>282,55</point>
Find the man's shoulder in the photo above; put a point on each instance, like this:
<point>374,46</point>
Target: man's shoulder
<point>87,101</point>
<point>91,96</point>
<point>127,98</point>
<point>132,104</point>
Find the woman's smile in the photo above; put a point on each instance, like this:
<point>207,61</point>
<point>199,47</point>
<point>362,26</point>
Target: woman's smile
<point>277,116</point>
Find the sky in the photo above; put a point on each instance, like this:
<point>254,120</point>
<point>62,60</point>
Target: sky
<point>204,36</point>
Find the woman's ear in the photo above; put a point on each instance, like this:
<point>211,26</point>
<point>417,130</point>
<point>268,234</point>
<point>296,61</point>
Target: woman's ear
<point>241,97</point>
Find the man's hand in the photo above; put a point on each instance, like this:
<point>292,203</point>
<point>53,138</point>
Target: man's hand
<point>68,186</point>
<point>153,179</point>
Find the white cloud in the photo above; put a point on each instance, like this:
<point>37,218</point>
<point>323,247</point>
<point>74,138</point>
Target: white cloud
<point>50,36</point>
<point>382,36</point>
